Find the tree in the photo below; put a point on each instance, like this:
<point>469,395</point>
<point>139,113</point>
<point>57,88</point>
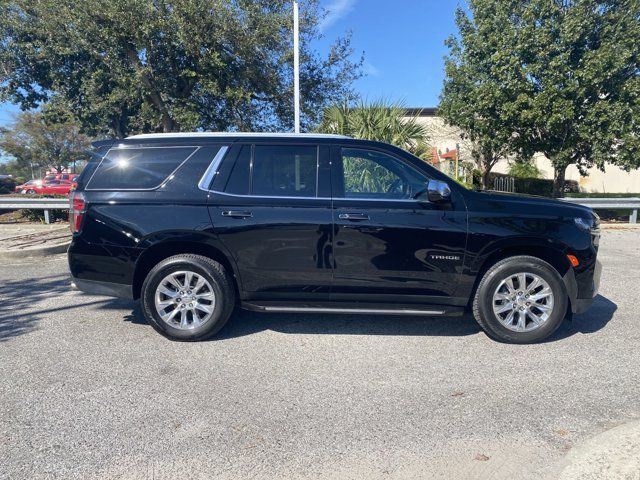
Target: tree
<point>378,120</point>
<point>475,91</point>
<point>549,76</point>
<point>38,140</point>
<point>580,100</point>
<point>524,169</point>
<point>162,65</point>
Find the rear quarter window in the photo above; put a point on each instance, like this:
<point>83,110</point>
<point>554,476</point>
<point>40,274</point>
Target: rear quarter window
<point>137,168</point>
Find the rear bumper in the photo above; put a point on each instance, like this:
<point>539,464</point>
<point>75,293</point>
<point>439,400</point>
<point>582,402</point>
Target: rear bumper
<point>102,288</point>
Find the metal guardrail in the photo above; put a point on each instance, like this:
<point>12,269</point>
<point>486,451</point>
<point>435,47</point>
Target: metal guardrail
<point>46,204</point>
<point>632,204</point>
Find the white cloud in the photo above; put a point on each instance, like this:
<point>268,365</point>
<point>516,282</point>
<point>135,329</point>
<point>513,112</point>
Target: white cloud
<point>370,69</point>
<point>336,10</point>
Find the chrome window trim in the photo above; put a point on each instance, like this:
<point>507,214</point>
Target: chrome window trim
<point>212,170</point>
<point>162,184</point>
<point>406,200</point>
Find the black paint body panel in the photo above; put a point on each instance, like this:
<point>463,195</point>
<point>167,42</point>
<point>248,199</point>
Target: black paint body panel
<point>298,249</point>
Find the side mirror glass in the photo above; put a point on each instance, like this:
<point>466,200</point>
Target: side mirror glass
<point>438,191</point>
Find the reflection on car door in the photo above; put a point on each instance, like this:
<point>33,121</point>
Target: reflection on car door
<point>388,246</point>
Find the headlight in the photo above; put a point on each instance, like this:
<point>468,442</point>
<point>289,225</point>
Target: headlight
<point>583,223</point>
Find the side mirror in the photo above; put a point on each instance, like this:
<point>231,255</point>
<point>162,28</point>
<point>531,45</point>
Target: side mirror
<point>438,191</point>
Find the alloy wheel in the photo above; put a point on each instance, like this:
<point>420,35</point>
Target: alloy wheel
<point>185,300</point>
<point>523,302</point>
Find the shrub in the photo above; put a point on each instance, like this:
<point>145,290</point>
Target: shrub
<point>7,185</point>
<point>36,215</point>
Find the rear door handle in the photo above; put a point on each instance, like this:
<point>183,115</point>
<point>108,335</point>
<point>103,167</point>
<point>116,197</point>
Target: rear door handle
<point>237,214</point>
<point>357,217</point>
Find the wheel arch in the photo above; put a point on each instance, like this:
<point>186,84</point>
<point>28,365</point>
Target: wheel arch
<point>553,254</point>
<point>160,250</point>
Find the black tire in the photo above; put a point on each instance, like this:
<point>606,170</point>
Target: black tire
<point>483,299</point>
<point>31,192</point>
<point>213,272</point>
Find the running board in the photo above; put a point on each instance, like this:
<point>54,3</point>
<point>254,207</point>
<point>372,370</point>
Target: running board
<point>274,308</point>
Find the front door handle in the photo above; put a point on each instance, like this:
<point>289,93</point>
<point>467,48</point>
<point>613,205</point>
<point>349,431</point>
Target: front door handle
<point>356,217</point>
<point>237,214</point>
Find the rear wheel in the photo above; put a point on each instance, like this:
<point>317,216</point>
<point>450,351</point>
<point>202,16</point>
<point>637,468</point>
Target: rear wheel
<point>520,299</point>
<point>187,297</point>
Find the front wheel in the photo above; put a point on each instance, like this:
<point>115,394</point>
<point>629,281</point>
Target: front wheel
<point>520,299</point>
<point>187,297</point>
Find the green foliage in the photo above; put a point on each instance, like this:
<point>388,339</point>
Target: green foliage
<point>524,169</point>
<point>474,93</point>
<point>37,140</point>
<point>556,77</point>
<point>128,66</point>
<point>7,185</point>
<point>362,176</point>
<point>37,215</point>
<point>379,120</point>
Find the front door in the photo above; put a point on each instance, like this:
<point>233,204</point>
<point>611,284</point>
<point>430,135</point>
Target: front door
<point>273,213</point>
<point>388,247</point>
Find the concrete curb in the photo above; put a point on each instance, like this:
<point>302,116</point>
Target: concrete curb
<point>34,252</point>
<point>611,455</point>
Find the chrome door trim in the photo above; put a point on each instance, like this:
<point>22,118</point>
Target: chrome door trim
<point>212,169</point>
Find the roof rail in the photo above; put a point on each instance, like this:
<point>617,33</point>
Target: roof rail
<point>234,134</point>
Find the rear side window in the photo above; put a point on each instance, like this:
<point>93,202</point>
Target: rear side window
<point>137,168</point>
<point>284,171</point>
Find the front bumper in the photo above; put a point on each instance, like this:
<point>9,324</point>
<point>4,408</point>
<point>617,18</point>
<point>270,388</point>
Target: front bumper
<point>583,287</point>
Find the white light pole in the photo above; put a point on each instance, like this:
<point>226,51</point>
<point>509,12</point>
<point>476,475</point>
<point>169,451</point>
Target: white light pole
<point>296,68</point>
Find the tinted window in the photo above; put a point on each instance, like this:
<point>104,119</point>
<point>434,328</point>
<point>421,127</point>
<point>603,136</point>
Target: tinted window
<point>372,174</point>
<point>137,168</point>
<point>284,171</point>
<point>238,182</point>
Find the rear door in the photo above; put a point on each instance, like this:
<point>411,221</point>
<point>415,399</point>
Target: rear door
<point>389,247</point>
<point>271,208</point>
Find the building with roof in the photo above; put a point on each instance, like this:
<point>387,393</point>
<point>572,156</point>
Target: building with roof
<point>448,146</point>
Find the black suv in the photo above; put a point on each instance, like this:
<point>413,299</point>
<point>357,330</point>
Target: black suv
<point>195,224</point>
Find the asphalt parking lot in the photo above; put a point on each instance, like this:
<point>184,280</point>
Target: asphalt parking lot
<point>89,390</point>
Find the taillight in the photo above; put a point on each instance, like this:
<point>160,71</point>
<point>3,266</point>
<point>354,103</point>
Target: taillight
<point>76,210</point>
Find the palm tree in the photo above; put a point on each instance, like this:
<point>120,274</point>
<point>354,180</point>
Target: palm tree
<point>378,120</point>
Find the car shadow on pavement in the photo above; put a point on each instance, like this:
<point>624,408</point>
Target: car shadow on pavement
<point>594,319</point>
<point>244,322</point>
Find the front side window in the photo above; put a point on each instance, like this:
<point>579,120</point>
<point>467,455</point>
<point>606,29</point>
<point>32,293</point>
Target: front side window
<point>284,171</point>
<point>137,168</point>
<point>374,175</point>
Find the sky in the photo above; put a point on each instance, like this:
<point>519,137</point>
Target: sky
<point>402,42</point>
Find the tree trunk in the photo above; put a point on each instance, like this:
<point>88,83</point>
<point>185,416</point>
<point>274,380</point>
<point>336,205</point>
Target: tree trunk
<point>558,181</point>
<point>155,98</point>
<point>485,178</point>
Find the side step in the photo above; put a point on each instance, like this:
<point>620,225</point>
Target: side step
<point>352,308</point>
